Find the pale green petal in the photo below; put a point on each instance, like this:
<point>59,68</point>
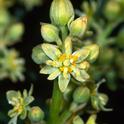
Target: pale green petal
<point>80,75</point>
<point>51,51</point>
<point>82,54</point>
<point>63,82</point>
<point>47,70</point>
<point>54,75</point>
<point>68,46</point>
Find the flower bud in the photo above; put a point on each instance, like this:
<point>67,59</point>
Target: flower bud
<point>78,120</point>
<point>38,56</point>
<point>112,10</point>
<point>49,32</point>
<point>81,95</point>
<point>94,52</point>
<point>15,31</point>
<point>61,12</point>
<point>78,27</point>
<point>36,114</point>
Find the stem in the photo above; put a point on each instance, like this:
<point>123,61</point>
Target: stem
<point>64,32</point>
<point>57,100</point>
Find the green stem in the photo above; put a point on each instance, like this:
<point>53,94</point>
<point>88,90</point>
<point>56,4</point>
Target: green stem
<point>64,32</point>
<point>57,100</point>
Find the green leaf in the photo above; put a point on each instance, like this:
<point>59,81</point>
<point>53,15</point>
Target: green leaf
<point>51,51</point>
<point>54,75</point>
<point>47,70</point>
<point>38,55</point>
<point>63,82</point>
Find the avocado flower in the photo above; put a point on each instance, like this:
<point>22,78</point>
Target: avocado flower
<point>20,104</point>
<point>64,63</point>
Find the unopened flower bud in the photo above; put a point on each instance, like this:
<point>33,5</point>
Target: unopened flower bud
<point>85,65</point>
<point>78,120</point>
<point>15,31</point>
<point>78,27</point>
<point>94,52</point>
<point>112,10</point>
<point>49,32</point>
<point>36,114</point>
<point>81,95</point>
<point>61,12</point>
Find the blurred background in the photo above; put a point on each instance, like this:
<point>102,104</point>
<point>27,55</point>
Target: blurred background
<point>20,32</point>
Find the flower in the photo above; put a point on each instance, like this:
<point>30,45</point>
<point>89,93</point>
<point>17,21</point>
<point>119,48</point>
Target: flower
<point>63,64</point>
<point>20,103</point>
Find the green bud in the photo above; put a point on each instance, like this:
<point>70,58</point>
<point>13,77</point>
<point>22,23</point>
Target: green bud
<point>77,120</point>
<point>15,31</point>
<point>38,56</point>
<point>36,114</point>
<point>112,10</point>
<point>78,27</point>
<point>94,52</point>
<point>61,12</point>
<point>49,32</point>
<point>81,95</point>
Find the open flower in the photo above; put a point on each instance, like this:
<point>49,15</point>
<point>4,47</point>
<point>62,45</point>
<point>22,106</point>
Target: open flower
<point>65,63</point>
<point>20,104</point>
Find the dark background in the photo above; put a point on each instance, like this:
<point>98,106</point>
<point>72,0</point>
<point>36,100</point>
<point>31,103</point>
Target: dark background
<point>43,88</point>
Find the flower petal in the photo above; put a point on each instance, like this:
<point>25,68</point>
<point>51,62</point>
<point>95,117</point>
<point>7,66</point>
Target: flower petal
<point>63,82</point>
<point>51,51</point>
<point>68,46</point>
<point>82,54</point>
<point>53,75</point>
<point>80,75</point>
<point>47,70</point>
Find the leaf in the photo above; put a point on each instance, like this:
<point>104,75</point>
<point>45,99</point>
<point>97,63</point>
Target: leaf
<point>63,82</point>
